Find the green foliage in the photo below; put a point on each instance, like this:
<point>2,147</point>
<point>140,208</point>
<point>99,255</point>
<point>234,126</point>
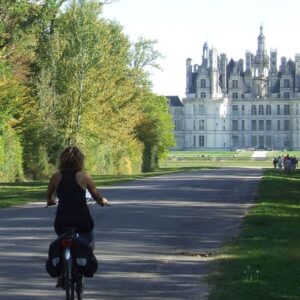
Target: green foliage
<point>10,156</point>
<point>82,82</point>
<point>154,130</point>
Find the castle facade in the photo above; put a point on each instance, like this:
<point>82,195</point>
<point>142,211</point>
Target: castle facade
<point>251,103</point>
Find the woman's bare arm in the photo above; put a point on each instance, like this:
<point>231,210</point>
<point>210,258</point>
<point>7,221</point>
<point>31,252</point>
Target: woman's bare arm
<point>55,178</point>
<point>94,192</point>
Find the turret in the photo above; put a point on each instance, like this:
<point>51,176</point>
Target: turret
<point>283,65</point>
<point>248,62</point>
<point>261,60</point>
<point>205,55</point>
<point>223,75</point>
<point>261,42</point>
<point>189,72</point>
<point>273,61</point>
<point>214,73</point>
<point>297,72</point>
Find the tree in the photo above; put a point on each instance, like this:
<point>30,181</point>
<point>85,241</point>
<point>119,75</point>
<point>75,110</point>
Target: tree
<point>82,82</point>
<point>154,130</point>
<point>155,126</point>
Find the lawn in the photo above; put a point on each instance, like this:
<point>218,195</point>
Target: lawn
<point>18,193</point>
<point>209,154</point>
<point>264,262</point>
<point>214,159</point>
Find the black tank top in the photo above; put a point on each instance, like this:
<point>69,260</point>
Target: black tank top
<point>72,208</point>
<point>70,194</point>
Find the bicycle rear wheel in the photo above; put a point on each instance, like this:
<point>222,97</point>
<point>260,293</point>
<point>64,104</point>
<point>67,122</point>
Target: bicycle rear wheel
<point>69,282</point>
<point>79,286</point>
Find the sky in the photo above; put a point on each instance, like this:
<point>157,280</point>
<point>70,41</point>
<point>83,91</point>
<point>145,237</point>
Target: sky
<point>182,26</point>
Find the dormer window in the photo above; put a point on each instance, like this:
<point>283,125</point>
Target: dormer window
<point>235,84</point>
<point>202,95</point>
<point>235,95</point>
<point>286,83</point>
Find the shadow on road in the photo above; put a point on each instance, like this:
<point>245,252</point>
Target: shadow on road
<point>154,242</point>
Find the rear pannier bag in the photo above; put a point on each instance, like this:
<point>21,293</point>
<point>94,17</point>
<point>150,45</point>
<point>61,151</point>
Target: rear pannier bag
<point>54,263</point>
<point>86,261</point>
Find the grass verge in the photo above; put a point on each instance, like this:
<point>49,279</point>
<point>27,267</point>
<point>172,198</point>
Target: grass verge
<point>23,192</point>
<point>264,262</point>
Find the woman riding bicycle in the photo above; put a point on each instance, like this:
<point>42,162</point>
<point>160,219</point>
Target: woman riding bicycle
<point>69,185</point>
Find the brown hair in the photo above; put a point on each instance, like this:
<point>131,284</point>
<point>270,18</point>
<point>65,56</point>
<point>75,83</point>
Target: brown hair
<point>71,160</point>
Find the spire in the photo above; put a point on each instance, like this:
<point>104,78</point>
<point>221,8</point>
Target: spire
<point>261,42</point>
<point>261,30</point>
<point>205,55</point>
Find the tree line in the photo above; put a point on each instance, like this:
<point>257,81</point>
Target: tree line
<point>70,77</point>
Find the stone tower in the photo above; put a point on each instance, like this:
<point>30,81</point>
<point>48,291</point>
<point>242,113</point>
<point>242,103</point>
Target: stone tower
<point>189,72</point>
<point>261,67</point>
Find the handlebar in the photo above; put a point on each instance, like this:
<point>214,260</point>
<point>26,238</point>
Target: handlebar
<point>88,200</point>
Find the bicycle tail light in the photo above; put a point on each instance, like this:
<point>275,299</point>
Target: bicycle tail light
<point>66,243</point>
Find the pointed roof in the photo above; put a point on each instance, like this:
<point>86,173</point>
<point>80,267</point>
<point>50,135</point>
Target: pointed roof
<point>174,101</point>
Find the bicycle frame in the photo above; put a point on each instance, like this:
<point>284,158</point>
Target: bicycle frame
<point>72,280</point>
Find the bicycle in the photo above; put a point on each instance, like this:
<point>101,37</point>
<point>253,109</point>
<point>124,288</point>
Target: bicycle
<point>72,280</point>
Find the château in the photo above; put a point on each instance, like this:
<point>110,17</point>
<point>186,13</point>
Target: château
<point>251,103</point>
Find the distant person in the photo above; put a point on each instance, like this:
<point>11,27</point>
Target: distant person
<point>279,162</point>
<point>275,161</point>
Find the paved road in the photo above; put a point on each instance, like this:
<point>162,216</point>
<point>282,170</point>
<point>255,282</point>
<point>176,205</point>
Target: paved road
<point>143,239</point>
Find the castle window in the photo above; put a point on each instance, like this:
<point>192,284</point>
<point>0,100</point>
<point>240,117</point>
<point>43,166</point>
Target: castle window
<point>278,109</point>
<point>177,125</point>
<point>286,95</point>
<point>261,124</point>
<point>201,125</point>
<point>235,141</point>
<point>178,111</point>
<point>286,83</point>
<point>194,124</point>
<point>203,84</point>
<point>202,95</point>
<point>287,141</point>
<point>235,84</point>
<point>253,110</point>
<point>268,109</point>
<point>235,109</point>
<point>201,109</point>
<point>253,125</point>
<point>261,141</point>
<point>253,140</point>
<point>195,109</point>
<point>269,141</point>
<point>286,109</point>
<point>261,110</point>
<point>286,124</point>
<point>269,125</point>
<point>243,125</point>
<point>198,109</point>
<point>194,141</point>
<point>278,124</point>
<point>235,95</point>
<point>235,126</point>
<point>201,140</point>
